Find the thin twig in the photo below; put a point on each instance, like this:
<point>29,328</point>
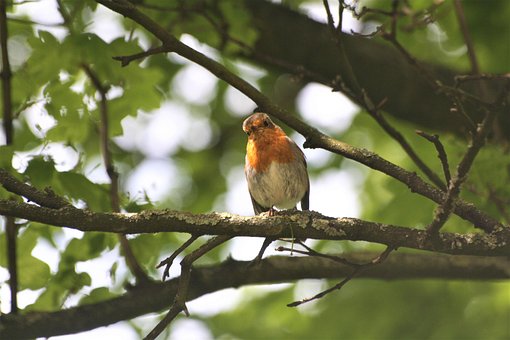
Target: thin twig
<point>131,260</point>
<point>475,68</point>
<point>363,98</point>
<point>182,290</point>
<point>441,153</point>
<point>443,211</point>
<point>169,260</point>
<point>311,252</point>
<point>126,60</point>
<point>459,79</point>
<point>427,74</point>
<point>355,272</point>
<point>459,108</point>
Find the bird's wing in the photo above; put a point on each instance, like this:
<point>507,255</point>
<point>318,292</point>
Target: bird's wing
<point>305,201</point>
<point>257,207</point>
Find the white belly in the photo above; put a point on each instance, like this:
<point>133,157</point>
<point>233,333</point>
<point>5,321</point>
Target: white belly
<point>282,185</point>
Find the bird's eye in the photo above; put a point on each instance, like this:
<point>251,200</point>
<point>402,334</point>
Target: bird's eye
<point>266,123</point>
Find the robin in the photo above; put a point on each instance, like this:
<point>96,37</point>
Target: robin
<point>275,169</point>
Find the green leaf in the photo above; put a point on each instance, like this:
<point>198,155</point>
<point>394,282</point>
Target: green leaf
<point>90,246</point>
<point>40,171</point>
<point>33,273</point>
<point>70,112</point>
<point>77,186</point>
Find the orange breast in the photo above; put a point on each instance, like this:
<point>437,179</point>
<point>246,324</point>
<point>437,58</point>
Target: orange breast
<point>271,146</point>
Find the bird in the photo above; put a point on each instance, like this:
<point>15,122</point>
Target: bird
<point>275,169</point>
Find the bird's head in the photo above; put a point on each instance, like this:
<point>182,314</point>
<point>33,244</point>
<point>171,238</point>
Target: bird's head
<point>257,124</point>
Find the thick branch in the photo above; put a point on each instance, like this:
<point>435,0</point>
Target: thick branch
<point>236,274</point>
<point>46,198</point>
<point>315,139</point>
<point>285,225</point>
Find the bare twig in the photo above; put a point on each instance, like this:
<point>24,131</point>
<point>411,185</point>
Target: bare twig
<point>475,68</point>
<point>311,252</point>
<point>182,290</point>
<point>363,98</point>
<point>354,273</point>
<point>444,210</point>
<point>422,18</point>
<point>126,60</point>
<point>169,260</point>
<point>364,10</point>
<point>459,79</point>
<point>428,75</point>
<point>459,108</point>
<point>131,260</point>
<point>441,153</point>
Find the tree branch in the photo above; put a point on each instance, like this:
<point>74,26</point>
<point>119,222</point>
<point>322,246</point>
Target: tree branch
<point>10,225</point>
<point>441,153</point>
<point>235,274</point>
<point>356,271</point>
<point>443,211</point>
<point>131,261</point>
<point>285,225</point>
<point>126,60</point>
<point>315,139</point>
<point>46,198</point>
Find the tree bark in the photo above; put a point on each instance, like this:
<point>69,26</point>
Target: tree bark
<point>233,274</point>
<point>301,225</point>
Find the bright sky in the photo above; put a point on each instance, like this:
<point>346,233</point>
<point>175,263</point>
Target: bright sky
<point>333,193</point>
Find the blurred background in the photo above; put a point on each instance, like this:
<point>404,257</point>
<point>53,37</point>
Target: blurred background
<point>178,144</point>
